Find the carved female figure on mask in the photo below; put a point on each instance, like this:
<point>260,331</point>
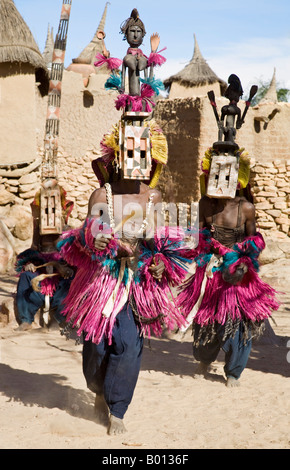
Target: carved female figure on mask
<point>135,61</point>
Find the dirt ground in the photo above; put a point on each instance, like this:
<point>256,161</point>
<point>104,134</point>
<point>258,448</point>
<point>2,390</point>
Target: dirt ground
<point>44,403</point>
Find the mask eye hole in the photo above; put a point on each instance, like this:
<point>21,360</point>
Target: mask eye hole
<point>130,147</point>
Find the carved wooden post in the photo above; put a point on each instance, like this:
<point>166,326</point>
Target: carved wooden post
<point>50,198</point>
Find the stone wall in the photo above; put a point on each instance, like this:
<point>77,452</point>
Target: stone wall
<point>18,187</point>
<point>270,183</point>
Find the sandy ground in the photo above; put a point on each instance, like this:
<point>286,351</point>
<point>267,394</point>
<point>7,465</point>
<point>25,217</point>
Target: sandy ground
<point>44,403</point>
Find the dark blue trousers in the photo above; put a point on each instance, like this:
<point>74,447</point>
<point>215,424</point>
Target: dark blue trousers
<point>112,370</point>
<point>236,351</point>
<point>28,301</point>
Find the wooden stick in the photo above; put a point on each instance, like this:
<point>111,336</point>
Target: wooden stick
<point>211,97</point>
<point>36,280</point>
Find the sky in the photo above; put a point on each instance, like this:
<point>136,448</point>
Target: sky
<point>248,38</point>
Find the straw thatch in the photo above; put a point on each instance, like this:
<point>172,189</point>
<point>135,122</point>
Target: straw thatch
<point>271,94</point>
<point>196,73</point>
<point>48,49</point>
<point>88,55</point>
<point>17,44</point>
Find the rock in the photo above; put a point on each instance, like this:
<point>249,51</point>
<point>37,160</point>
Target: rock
<point>12,182</point>
<point>74,223</point>
<point>82,179</point>
<point>7,314</point>
<point>73,194</point>
<point>82,202</point>
<point>27,202</point>
<point>6,197</point>
<point>266,224</point>
<point>9,221</point>
<point>285,228</point>
<point>284,245</point>
<point>4,211</point>
<point>282,220</point>
<point>276,274</point>
<point>273,212</point>
<point>280,205</point>
<point>21,245</point>
<point>30,178</point>
<point>23,228</point>
<point>29,194</point>
<point>7,253</point>
<point>263,206</point>
<point>26,188</point>
<point>83,209</point>
<point>12,189</point>
<point>271,253</point>
<point>18,200</point>
<point>84,187</point>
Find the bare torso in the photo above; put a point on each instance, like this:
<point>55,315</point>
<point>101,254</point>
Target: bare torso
<point>225,213</point>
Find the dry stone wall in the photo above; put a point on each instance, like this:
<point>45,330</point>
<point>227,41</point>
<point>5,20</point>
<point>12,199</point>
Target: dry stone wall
<point>271,189</point>
<point>18,187</point>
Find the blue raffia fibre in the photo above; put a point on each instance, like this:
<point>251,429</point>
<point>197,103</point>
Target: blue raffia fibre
<point>28,256</point>
<point>155,83</point>
<point>114,82</point>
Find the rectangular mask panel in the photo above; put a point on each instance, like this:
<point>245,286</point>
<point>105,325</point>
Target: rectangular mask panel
<point>135,155</point>
<point>223,176</point>
<point>50,212</point>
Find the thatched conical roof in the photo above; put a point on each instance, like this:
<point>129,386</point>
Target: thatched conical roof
<point>17,43</point>
<point>48,49</point>
<point>88,55</point>
<point>271,94</point>
<point>196,73</point>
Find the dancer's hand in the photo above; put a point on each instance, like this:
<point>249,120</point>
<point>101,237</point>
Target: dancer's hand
<point>101,242</point>
<point>30,267</point>
<point>157,270</point>
<point>65,271</point>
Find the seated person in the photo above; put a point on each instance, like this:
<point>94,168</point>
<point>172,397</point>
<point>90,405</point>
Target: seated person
<point>44,277</point>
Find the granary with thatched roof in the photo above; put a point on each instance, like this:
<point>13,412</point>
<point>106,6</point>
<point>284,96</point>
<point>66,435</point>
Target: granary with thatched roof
<point>195,79</point>
<point>84,63</point>
<point>21,68</point>
<point>48,49</point>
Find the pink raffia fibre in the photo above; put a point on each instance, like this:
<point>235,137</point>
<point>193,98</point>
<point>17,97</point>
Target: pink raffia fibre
<point>49,285</point>
<point>252,299</point>
<point>94,283</point>
<point>111,62</point>
<point>136,102</point>
<point>135,51</point>
<point>156,59</point>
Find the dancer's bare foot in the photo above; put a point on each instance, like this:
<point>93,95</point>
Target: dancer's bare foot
<point>24,327</point>
<point>232,382</point>
<point>101,409</point>
<point>201,370</point>
<point>116,426</point>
